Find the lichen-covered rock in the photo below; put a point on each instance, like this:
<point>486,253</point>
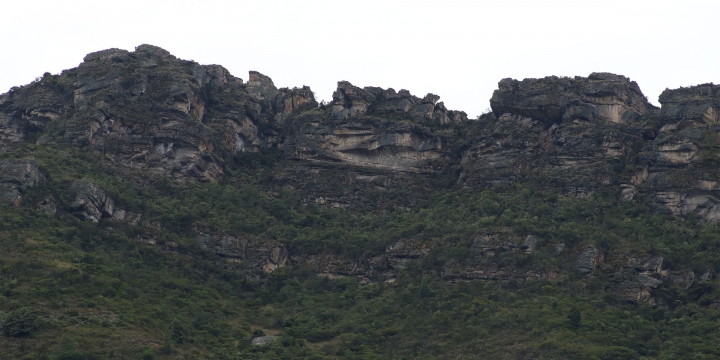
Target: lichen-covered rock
<point>16,176</point>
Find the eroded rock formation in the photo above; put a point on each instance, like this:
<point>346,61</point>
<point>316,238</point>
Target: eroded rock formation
<point>16,176</point>
<point>372,148</point>
<point>92,203</point>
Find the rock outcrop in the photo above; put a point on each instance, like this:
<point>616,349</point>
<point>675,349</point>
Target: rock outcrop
<point>352,101</point>
<point>92,203</point>
<point>149,109</point>
<point>16,176</point>
<point>601,97</point>
<point>680,174</point>
<point>587,258</point>
<point>569,131</point>
<point>374,148</point>
<point>367,142</point>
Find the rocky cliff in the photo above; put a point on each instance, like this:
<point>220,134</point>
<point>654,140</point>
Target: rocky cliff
<point>374,149</point>
<point>149,109</point>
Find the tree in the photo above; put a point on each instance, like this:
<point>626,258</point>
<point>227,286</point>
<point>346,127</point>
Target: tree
<point>19,322</point>
<point>574,316</point>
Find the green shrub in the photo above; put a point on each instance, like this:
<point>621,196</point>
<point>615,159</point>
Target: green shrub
<point>19,322</point>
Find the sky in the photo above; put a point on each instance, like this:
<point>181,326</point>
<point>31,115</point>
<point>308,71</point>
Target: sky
<point>456,49</point>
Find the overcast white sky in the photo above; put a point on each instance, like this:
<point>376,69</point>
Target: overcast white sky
<point>456,49</point>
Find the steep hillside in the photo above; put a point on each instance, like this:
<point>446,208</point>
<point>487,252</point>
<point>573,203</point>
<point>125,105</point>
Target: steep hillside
<point>153,207</point>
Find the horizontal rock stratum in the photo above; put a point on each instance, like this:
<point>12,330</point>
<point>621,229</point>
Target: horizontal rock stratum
<point>149,110</point>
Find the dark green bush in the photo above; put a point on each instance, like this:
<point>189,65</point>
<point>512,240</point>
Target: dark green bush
<point>19,322</point>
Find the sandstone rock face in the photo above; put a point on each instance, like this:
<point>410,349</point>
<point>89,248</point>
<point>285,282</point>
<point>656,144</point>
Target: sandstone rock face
<point>530,243</point>
<point>24,115</point>
<point>568,130</point>
<point>352,101</point>
<point>369,140</point>
<point>481,265</point>
<point>634,292</point>
<point>247,254</point>
<point>681,176</point>
<point>16,176</point>
<point>696,103</point>
<point>366,142</point>
<point>600,97</point>
<point>149,109</point>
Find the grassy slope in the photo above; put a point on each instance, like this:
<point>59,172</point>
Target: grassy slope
<point>101,293</point>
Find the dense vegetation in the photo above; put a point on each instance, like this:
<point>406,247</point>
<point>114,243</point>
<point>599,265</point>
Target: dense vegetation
<point>71,289</point>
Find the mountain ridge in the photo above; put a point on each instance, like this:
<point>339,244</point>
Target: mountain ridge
<point>570,183</point>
